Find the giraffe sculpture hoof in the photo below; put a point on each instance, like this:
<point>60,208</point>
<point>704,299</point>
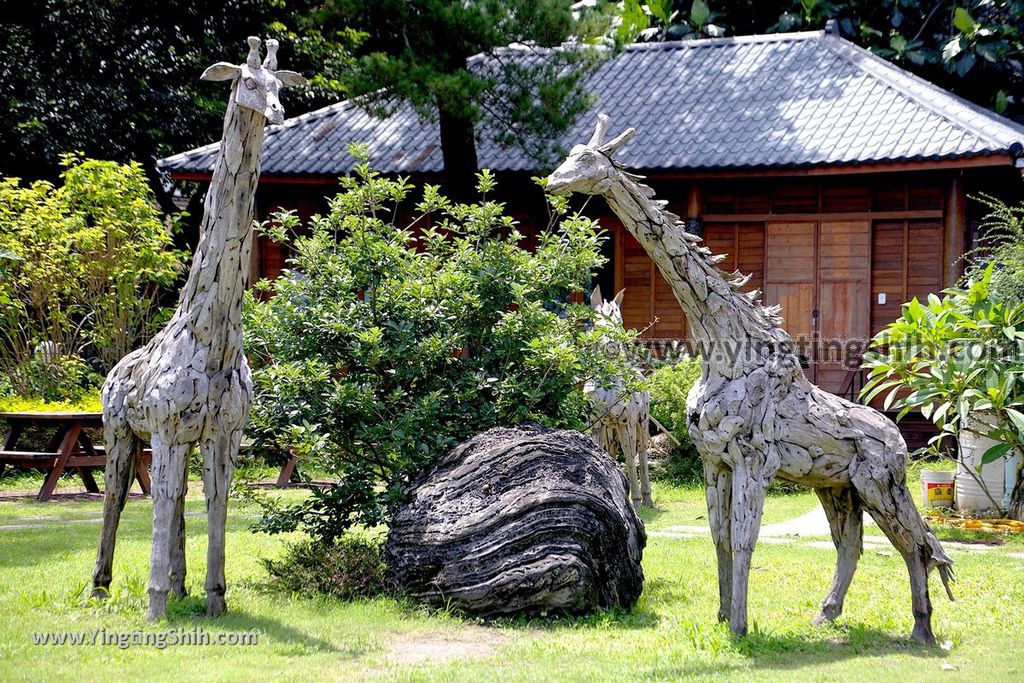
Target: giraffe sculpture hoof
<point>157,605</point>
<point>215,604</point>
<point>100,591</point>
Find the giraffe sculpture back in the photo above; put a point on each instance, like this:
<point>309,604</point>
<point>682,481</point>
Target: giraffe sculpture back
<point>190,385</point>
<point>754,416</point>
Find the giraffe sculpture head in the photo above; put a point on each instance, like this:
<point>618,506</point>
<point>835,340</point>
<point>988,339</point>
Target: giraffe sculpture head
<point>609,313</point>
<point>256,85</point>
<point>589,168</point>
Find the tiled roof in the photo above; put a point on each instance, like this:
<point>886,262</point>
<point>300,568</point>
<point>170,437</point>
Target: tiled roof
<point>783,100</point>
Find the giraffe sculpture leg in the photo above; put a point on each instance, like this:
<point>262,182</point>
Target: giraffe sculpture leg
<point>124,451</point>
<point>218,468</point>
<point>168,488</point>
<point>627,442</point>
<point>752,471</point>
<point>177,577</point>
<point>846,520</point>
<point>718,492</point>
<point>643,439</point>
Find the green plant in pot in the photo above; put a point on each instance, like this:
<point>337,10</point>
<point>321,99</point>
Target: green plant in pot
<point>959,360</point>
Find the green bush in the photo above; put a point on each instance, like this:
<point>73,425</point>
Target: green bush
<point>382,348</point>
<point>353,567</point>
<point>669,386</point>
<point>81,265</point>
<point>1002,244</point>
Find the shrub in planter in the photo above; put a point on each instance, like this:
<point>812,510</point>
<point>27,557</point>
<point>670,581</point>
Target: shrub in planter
<point>956,357</point>
<point>384,345</point>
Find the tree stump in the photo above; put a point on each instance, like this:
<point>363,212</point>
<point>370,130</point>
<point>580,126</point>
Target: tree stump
<point>519,520</point>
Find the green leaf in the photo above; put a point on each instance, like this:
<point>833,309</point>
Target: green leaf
<point>963,21</point>
<point>1001,102</point>
<point>662,9</point>
<point>1017,418</point>
<point>996,452</point>
<point>699,13</point>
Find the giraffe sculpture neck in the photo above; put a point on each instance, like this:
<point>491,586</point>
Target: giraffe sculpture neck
<point>731,327</point>
<point>210,302</point>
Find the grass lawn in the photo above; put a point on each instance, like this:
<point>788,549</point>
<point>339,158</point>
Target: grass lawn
<point>47,550</point>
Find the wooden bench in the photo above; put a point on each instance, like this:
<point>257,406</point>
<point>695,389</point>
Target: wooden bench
<point>70,446</point>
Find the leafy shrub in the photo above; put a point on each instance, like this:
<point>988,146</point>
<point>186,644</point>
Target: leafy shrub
<point>669,386</point>
<point>81,264</point>
<point>381,348</point>
<point>953,358</point>
<point>1002,245</point>
<point>88,402</point>
<point>353,567</point>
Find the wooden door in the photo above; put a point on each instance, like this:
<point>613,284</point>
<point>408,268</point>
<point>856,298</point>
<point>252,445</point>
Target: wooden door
<point>844,298</point>
<point>789,278</point>
<point>819,272</point>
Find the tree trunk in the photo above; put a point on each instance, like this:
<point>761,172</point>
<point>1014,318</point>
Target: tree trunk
<point>458,147</point>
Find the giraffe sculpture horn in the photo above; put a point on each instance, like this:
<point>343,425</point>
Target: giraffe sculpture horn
<point>599,131</point>
<point>253,60</point>
<point>271,60</point>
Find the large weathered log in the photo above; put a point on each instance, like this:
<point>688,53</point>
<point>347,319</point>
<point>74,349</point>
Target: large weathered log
<point>519,520</point>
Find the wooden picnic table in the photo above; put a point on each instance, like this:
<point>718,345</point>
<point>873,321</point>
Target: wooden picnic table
<point>69,446</point>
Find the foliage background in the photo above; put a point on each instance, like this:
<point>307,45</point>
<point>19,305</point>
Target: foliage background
<point>386,345</point>
<point>85,262</point>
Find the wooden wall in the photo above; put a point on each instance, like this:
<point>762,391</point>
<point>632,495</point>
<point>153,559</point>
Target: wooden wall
<point>824,249</point>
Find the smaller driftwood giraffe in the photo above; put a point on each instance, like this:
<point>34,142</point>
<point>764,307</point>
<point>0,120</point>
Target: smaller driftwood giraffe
<point>621,421</point>
<point>190,385</point>
<point>754,416</point>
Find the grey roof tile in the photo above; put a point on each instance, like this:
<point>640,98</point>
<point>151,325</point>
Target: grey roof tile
<point>794,99</point>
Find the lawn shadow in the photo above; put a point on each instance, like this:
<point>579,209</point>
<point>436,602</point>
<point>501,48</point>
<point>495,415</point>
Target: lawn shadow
<point>272,629</point>
<point>768,651</point>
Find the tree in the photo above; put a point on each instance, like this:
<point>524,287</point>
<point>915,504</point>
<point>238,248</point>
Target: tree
<point>119,79</point>
<point>386,344</point>
<point>974,48</point>
<point>420,52</point>
<point>82,264</point>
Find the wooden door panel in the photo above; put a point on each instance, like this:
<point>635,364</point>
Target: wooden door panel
<point>790,253</point>
<point>844,298</point>
<point>789,281</point>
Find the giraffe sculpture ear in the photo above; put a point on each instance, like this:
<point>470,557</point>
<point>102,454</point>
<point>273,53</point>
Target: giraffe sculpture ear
<point>290,79</point>
<point>619,140</point>
<point>221,71</point>
<point>595,297</point>
<point>618,297</point>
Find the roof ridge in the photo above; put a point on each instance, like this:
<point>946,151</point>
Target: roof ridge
<point>795,36</point>
<point>287,123</point>
<point>910,86</point>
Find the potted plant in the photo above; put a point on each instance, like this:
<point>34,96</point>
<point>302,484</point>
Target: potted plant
<point>959,360</point>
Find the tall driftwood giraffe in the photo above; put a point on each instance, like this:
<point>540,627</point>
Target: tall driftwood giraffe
<point>753,416</point>
<point>190,385</point>
<point>621,420</point>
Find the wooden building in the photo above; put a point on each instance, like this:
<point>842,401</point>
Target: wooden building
<point>839,181</point>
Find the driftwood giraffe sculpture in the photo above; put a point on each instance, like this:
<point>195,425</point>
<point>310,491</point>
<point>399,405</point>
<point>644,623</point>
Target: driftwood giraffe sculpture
<point>621,420</point>
<point>190,385</point>
<point>753,416</point>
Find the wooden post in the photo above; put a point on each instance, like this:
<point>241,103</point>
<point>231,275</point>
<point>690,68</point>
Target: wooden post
<point>955,229</point>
